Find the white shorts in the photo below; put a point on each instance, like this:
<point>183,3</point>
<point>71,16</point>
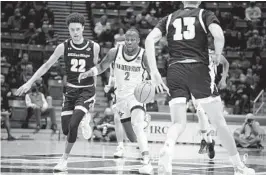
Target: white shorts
<point>124,106</point>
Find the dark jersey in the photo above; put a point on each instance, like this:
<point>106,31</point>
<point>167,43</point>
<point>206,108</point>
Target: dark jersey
<point>186,31</point>
<point>4,99</point>
<point>78,59</point>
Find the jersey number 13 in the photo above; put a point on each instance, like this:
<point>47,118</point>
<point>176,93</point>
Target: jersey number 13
<point>188,34</point>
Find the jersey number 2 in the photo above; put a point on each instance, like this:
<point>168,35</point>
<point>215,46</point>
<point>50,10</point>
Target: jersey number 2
<point>187,22</point>
<point>127,74</point>
<point>78,65</point>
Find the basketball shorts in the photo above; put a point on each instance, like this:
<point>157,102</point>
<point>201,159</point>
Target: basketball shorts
<point>191,79</point>
<point>125,106</point>
<point>82,98</point>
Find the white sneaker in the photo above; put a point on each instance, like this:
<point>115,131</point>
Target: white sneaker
<point>147,167</point>
<point>119,152</point>
<point>61,166</point>
<point>85,126</point>
<point>244,170</point>
<point>165,162</point>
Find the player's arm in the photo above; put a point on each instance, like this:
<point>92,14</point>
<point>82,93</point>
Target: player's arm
<point>225,64</point>
<point>96,58</point>
<point>154,36</point>
<point>145,63</point>
<point>100,68</point>
<point>59,51</point>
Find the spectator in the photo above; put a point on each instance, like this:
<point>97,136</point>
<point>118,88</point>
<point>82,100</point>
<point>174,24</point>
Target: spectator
<point>8,9</point>
<point>253,12</point>
<point>255,42</point>
<point>257,67</point>
<point>227,21</point>
<point>116,25</point>
<point>31,17</point>
<point>15,22</point>
<point>46,35</point>
<point>105,128</point>
<point>102,26</point>
<point>5,111</point>
<point>250,134</point>
<point>238,11</point>
<point>152,20</point>
<point>13,78</point>
<point>129,20</point>
<point>238,41</point>
<point>26,74</point>
<point>47,14</point>
<point>120,37</point>
<point>30,34</point>
<point>38,106</point>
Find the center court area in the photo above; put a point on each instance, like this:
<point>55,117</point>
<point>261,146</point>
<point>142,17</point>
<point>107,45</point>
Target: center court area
<point>38,154</point>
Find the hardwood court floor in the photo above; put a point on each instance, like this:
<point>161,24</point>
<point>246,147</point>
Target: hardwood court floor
<point>38,157</point>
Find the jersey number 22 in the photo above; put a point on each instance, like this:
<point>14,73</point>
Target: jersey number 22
<point>187,22</point>
<point>78,65</point>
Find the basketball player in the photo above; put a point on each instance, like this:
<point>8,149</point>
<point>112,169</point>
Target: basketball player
<point>129,70</point>
<point>79,55</point>
<point>188,74</point>
<point>126,126</point>
<point>207,143</point>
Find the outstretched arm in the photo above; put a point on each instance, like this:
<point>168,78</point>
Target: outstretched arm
<point>100,68</point>
<point>59,51</point>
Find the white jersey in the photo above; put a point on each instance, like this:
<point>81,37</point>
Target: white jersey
<point>128,72</point>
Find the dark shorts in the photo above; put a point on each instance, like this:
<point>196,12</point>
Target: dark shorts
<point>184,79</point>
<point>73,97</point>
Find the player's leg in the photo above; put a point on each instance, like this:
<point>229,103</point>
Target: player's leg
<point>119,131</point>
<point>179,94</point>
<point>138,123</point>
<point>5,116</point>
<point>66,115</point>
<point>202,90</point>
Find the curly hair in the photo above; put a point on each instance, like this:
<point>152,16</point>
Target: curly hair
<point>75,18</point>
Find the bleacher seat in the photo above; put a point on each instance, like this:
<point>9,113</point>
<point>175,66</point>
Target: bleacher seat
<point>20,46</point>
<point>122,12</point>
<point>5,45</point>
<point>6,37</point>
<point>232,54</point>
<point>112,12</point>
<point>126,4</point>
<point>17,36</point>
<point>248,54</point>
<point>225,6</point>
<point>211,5</point>
<point>98,12</point>
<point>241,24</point>
<point>36,47</point>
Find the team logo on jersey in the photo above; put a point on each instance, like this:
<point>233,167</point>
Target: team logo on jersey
<point>69,48</point>
<point>88,49</point>
<point>120,113</point>
<point>138,59</point>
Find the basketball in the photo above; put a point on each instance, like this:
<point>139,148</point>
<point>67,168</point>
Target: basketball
<point>145,92</point>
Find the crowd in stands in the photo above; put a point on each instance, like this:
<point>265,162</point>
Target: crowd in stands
<point>246,76</point>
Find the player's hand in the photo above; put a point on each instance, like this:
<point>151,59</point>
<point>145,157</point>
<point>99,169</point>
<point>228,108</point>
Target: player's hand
<point>158,82</point>
<point>222,84</point>
<point>216,59</point>
<point>84,75</point>
<point>107,88</point>
<point>23,89</point>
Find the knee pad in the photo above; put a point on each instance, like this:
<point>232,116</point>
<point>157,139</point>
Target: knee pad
<point>129,129</point>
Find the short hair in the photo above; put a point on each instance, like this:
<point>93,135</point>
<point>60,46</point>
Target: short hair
<point>75,18</point>
<point>133,29</point>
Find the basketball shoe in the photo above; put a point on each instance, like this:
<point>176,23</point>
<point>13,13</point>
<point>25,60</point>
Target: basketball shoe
<point>203,145</point>
<point>85,126</point>
<point>210,149</point>
<point>61,166</point>
<point>147,167</point>
<point>244,170</point>
<point>119,152</point>
<point>165,161</point>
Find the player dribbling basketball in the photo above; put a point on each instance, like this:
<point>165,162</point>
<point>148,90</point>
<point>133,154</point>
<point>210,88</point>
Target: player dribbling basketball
<point>129,71</point>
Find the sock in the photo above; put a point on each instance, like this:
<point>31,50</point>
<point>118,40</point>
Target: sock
<point>209,138</point>
<point>120,144</point>
<point>236,161</point>
<point>65,156</point>
<point>203,135</point>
